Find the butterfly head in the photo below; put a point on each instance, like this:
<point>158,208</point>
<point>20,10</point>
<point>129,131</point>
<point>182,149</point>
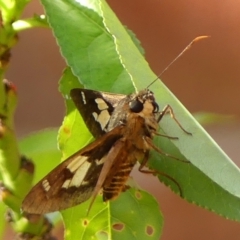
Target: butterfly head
<point>144,101</point>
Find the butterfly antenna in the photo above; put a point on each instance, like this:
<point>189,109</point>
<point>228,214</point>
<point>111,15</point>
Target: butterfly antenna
<point>178,56</point>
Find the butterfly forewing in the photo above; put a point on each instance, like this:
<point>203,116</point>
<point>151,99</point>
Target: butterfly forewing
<point>96,108</point>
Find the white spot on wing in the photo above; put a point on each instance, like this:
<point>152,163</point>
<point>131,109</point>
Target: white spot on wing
<point>76,163</point>
<point>103,118</point>
<point>95,115</point>
<point>66,184</point>
<point>101,104</point>
<point>101,161</point>
<point>46,185</point>
<point>85,183</point>
<point>83,98</point>
<point>79,175</point>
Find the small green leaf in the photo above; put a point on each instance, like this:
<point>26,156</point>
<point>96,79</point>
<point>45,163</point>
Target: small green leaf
<point>35,21</point>
<point>12,9</point>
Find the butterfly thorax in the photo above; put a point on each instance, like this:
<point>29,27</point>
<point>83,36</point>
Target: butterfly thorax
<point>135,106</point>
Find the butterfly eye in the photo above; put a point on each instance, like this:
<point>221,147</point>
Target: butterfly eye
<point>136,106</point>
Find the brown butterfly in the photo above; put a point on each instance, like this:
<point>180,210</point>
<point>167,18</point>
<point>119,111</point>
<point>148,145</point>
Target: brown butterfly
<point>124,127</point>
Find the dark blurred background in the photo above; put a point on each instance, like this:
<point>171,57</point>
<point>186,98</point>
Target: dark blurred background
<point>206,78</point>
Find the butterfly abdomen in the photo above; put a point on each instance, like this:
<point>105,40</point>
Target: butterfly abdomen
<point>117,184</point>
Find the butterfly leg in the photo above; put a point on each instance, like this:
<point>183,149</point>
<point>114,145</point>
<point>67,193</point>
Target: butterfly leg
<point>162,135</point>
<point>150,143</point>
<point>155,172</point>
<point>168,109</point>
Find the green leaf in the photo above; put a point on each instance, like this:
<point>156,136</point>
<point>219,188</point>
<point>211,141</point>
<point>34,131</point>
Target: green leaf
<point>102,56</point>
<point>114,220</point>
